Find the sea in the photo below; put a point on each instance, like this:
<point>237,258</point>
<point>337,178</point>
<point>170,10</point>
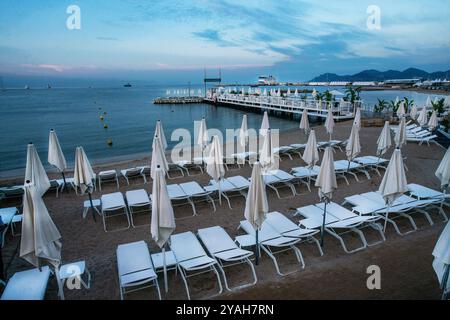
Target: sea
<point>128,114</point>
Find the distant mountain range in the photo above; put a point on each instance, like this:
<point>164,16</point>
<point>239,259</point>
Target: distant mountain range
<point>375,75</point>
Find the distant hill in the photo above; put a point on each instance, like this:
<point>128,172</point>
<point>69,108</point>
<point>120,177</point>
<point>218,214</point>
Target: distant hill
<point>375,75</point>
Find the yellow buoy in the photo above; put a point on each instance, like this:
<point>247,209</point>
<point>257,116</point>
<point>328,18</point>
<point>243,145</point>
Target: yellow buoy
<point>102,118</point>
<point>109,142</point>
<point>104,113</point>
<point>105,126</point>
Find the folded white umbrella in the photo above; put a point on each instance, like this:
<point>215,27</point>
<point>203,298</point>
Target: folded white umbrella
<point>163,219</point>
<point>423,117</point>
<point>357,121</point>
<point>428,103</point>
<point>266,156</point>
<point>397,100</point>
<point>384,140</point>
<point>159,132</point>
<point>40,239</point>
<point>202,136</point>
<point>35,172</point>
<point>265,92</point>
<point>414,112</point>
<point>279,92</point>
<point>243,132</point>
<point>214,163</point>
<point>329,123</point>
<point>441,263</point>
<point>55,155</point>
<point>256,205</point>
<point>433,123</point>
<point>394,183</point>
<point>443,171</point>
<point>401,110</point>
<point>447,101</point>
<point>296,93</point>
<point>314,94</point>
<point>304,122</point>
<point>353,147</point>
<point>288,93</point>
<point>311,153</point>
<point>83,176</point>
<point>326,182</point>
<point>158,157</point>
<point>264,124</point>
<point>400,135</point>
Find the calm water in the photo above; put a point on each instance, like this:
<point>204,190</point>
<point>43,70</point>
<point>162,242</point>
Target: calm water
<point>28,115</point>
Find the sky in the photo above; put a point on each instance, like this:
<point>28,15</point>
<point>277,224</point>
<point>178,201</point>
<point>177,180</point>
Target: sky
<point>162,41</point>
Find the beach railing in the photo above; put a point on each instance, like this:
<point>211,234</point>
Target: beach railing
<point>293,105</point>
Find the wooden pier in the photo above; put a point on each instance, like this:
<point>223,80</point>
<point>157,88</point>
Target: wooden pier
<point>178,100</point>
<point>286,106</point>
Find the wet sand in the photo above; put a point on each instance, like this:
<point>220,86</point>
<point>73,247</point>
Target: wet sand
<point>405,262</point>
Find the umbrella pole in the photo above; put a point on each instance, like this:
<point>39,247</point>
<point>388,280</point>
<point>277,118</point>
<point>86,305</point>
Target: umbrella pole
<point>2,274</point>
<point>386,219</point>
<point>257,248</point>
<point>220,194</point>
<point>92,206</point>
<point>444,281</point>
<point>64,180</point>
<point>322,232</point>
<point>166,284</point>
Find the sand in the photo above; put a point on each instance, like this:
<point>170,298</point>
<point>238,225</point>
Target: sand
<point>405,262</point>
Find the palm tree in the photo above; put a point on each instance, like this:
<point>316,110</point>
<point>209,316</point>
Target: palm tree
<point>438,106</point>
<point>408,104</point>
<point>352,94</point>
<point>382,104</point>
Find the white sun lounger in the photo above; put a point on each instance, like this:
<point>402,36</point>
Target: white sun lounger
<point>132,173</point>
<point>245,157</point>
<point>287,151</point>
<point>197,194</point>
<point>113,204</point>
<point>27,285</point>
<point>192,259</point>
<point>135,268</point>
<point>179,197</point>
<point>7,216</point>
<point>277,179</point>
<point>305,175</point>
<point>342,167</point>
<point>225,251</point>
<point>137,201</point>
<point>284,226</point>
<point>420,140</point>
<point>406,202</point>
<point>373,163</point>
<point>269,239</point>
<point>107,176</point>
<point>333,225</point>
<point>374,204</point>
<point>188,165</point>
<point>424,193</point>
<point>298,147</point>
<point>342,214</point>
<point>227,189</point>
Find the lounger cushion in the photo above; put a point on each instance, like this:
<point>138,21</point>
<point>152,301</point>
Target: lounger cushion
<point>134,263</point>
<point>137,197</point>
<point>112,200</point>
<point>27,285</point>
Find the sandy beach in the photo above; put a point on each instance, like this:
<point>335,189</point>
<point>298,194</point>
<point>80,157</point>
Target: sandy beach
<point>405,262</point>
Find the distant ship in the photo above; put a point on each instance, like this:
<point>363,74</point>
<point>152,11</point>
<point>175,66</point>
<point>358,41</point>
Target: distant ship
<point>267,80</point>
<point>128,85</point>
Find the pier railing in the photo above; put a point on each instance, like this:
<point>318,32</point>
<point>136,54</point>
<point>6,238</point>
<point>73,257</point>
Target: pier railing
<point>294,105</point>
